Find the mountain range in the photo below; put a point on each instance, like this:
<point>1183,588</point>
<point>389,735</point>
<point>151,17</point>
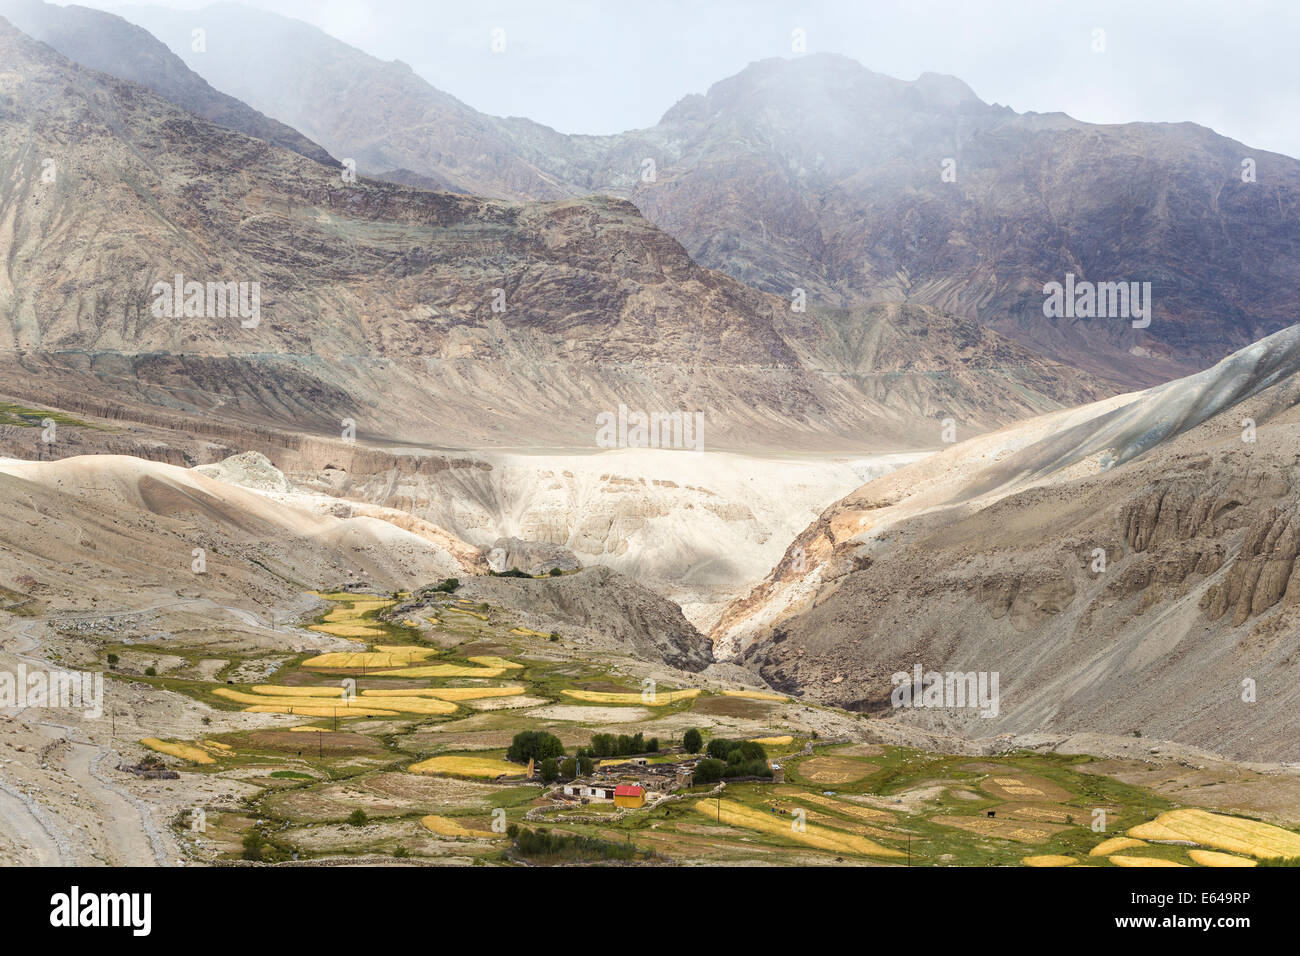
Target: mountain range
<point>424,316</point>
<point>815,173</point>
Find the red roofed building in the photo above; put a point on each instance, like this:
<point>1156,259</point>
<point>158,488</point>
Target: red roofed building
<point>629,795</point>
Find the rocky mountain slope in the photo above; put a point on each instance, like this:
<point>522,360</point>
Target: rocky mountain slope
<point>413,315</point>
<point>78,530</point>
<point>818,174</point>
<point>105,42</point>
<point>1127,567</point>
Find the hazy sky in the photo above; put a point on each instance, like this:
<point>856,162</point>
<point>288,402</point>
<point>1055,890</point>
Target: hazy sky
<point>587,66</point>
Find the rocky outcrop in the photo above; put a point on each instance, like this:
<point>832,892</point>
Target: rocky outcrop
<point>531,557</point>
<point>1264,570</point>
<point>602,608</point>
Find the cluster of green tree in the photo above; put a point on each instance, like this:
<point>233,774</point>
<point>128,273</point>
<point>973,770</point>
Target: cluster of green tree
<point>534,745</point>
<point>535,843</point>
<point>710,770</point>
<point>609,745</point>
<point>512,573</point>
<point>732,758</point>
<point>722,749</point>
<point>447,586</point>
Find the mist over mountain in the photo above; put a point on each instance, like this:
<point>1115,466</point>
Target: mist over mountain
<point>817,174</point>
<point>409,311</point>
<point>105,42</point>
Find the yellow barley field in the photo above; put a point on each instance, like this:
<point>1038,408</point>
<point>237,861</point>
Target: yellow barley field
<point>660,699</point>
<point>319,706</point>
<point>347,630</point>
<point>1049,860</point>
<point>1114,845</point>
<point>441,670</point>
<point>754,695</point>
<point>355,611</point>
<point>461,610</point>
<point>446,826</point>
<point>449,693</point>
<point>491,660</point>
<point>527,633</point>
<point>454,765</point>
<point>382,656</point>
<point>823,838</point>
<point>843,806</point>
<point>319,710</point>
<point>773,741</point>
<point>1214,858</point>
<point>179,749</point>
<point>1222,832</point>
<point>1139,861</point>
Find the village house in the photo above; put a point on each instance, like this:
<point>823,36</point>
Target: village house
<point>630,795</point>
<point>584,790</point>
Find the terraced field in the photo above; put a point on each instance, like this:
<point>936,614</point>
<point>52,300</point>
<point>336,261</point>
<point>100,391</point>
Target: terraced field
<point>398,747</point>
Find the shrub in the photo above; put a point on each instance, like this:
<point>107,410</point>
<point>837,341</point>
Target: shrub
<point>545,843</point>
<point>357,818</point>
<point>555,572</point>
<point>254,844</point>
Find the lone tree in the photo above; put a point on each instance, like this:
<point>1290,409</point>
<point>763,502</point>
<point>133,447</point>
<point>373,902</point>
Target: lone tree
<point>692,741</point>
<point>550,770</point>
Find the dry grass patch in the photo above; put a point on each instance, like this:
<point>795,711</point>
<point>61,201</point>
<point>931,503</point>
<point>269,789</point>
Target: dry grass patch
<point>446,826</point>
<point>835,769</point>
<point>754,695</point>
<point>658,699</point>
<point>1025,788</point>
<point>1003,829</point>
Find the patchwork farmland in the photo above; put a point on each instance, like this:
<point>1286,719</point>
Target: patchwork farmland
<point>397,747</point>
